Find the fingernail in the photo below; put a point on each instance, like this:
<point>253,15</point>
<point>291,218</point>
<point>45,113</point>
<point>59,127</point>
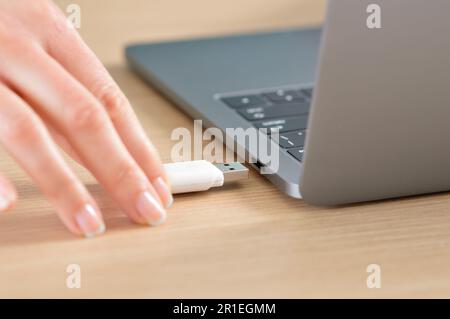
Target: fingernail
<point>5,200</point>
<point>150,208</point>
<point>90,222</point>
<point>164,192</point>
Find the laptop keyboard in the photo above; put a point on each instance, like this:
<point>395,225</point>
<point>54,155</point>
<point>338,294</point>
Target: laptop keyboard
<point>285,110</point>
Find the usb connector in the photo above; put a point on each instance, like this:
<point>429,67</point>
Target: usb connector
<point>233,171</point>
<point>197,176</point>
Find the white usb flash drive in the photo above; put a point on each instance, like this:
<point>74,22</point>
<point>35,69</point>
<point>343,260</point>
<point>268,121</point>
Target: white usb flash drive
<point>197,176</point>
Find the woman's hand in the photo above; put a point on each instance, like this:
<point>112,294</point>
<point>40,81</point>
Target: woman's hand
<point>54,90</point>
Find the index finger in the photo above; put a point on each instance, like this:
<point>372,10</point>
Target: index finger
<point>68,48</point>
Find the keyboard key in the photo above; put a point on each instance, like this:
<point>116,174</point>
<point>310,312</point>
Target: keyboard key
<point>288,96</point>
<point>292,139</point>
<point>260,112</point>
<point>297,153</point>
<point>242,101</point>
<point>253,112</point>
<point>284,124</point>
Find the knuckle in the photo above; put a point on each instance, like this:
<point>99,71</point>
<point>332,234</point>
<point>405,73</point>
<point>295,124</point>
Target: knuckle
<point>58,24</point>
<point>62,188</point>
<point>22,45</point>
<point>113,100</point>
<point>86,117</point>
<point>22,129</point>
<point>48,14</point>
<point>27,18</point>
<point>125,174</point>
<point>15,43</point>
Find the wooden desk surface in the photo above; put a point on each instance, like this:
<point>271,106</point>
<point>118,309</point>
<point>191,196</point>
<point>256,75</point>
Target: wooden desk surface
<point>249,241</point>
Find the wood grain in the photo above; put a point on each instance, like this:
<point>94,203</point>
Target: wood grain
<point>248,241</point>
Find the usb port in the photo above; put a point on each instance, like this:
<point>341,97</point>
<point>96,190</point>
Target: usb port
<point>259,165</point>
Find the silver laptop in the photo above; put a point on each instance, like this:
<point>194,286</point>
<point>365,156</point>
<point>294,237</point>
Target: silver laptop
<point>362,104</point>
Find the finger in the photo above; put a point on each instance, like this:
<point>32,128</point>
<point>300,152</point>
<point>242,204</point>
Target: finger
<point>25,137</point>
<point>8,194</point>
<point>76,57</point>
<point>74,112</point>
<point>57,137</point>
